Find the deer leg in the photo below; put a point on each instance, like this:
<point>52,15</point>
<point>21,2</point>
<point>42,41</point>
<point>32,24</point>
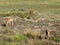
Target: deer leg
<point>7,23</point>
<point>12,23</point>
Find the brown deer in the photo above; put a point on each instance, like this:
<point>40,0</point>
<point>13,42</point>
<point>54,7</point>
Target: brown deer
<point>32,11</point>
<point>9,20</point>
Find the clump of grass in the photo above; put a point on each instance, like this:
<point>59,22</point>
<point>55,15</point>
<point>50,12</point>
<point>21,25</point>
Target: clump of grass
<point>9,43</point>
<point>40,43</point>
<point>32,34</point>
<point>20,14</point>
<point>28,32</point>
<point>56,39</point>
<point>18,38</point>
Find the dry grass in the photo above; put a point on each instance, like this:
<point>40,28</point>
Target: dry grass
<point>26,32</point>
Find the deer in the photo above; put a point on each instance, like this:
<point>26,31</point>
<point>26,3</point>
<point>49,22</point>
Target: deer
<point>9,20</point>
<point>32,11</point>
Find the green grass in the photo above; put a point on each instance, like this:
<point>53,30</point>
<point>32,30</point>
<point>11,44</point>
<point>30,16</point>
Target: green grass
<point>52,6</point>
<point>9,43</point>
<point>45,7</point>
<point>56,39</point>
<point>14,40</point>
<point>18,38</point>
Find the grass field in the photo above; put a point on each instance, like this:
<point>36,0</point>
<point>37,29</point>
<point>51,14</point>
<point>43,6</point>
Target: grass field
<point>27,32</point>
<point>49,6</point>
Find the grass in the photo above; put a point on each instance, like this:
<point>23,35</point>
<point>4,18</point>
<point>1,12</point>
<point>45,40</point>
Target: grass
<point>14,40</point>
<point>55,17</point>
<point>49,9</point>
<point>18,38</point>
<point>9,43</point>
<point>40,5</point>
<point>56,39</point>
